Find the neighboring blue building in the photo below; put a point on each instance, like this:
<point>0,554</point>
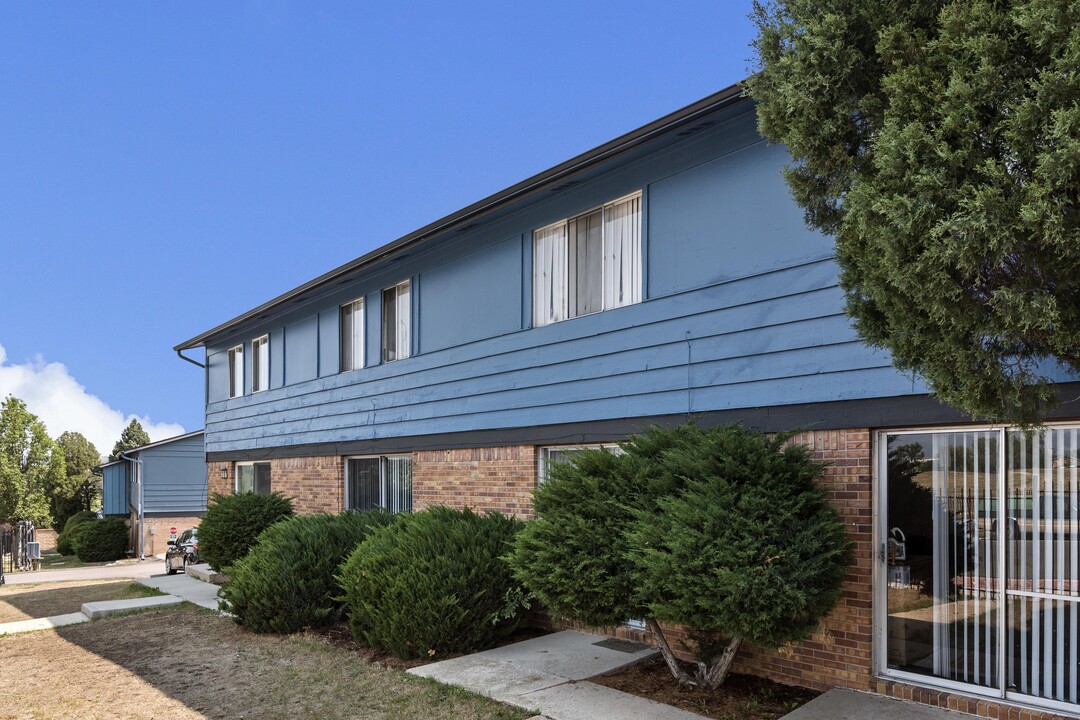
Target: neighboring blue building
<point>174,493</point>
<point>666,274</point>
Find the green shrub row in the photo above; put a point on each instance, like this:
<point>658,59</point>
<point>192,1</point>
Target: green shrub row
<point>101,540</point>
<point>65,540</point>
<point>416,585</point>
<point>233,522</point>
<point>286,582</point>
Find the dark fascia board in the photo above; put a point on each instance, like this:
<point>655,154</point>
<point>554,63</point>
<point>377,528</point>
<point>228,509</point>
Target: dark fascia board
<point>552,176</point>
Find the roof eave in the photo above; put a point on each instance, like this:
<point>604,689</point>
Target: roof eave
<point>621,144</point>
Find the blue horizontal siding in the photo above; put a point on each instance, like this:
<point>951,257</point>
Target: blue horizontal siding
<point>772,339</point>
<point>174,477</point>
<point>114,489</point>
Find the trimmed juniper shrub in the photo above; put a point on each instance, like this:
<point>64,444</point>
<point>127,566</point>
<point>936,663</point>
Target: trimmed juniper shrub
<point>101,540</point>
<point>286,582</point>
<point>64,540</point>
<point>433,582</point>
<point>232,523</point>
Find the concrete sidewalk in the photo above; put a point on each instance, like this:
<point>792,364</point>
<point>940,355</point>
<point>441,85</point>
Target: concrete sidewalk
<point>177,589</point>
<point>547,675</point>
<point>849,705</point>
<point>121,570</point>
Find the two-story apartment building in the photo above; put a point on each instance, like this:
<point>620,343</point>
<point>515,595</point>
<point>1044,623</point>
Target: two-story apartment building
<point>666,274</point>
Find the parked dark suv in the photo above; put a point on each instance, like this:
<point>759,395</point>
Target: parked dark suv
<point>183,551</point>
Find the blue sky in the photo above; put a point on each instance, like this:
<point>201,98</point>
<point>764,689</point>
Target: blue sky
<point>165,167</point>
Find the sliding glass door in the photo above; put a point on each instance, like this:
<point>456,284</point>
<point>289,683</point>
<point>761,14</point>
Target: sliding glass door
<point>978,561</point>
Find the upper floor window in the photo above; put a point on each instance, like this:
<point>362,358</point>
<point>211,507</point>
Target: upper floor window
<point>253,477</point>
<point>379,482</point>
<point>588,263</point>
<point>396,323</point>
<point>352,335</point>
<point>260,363</point>
<point>236,371</point>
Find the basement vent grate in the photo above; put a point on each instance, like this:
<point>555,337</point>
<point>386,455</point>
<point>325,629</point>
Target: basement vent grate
<point>625,646</point>
<point>695,129</point>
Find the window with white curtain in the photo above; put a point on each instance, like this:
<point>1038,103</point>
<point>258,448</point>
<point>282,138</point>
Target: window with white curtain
<point>236,371</point>
<point>397,322</point>
<point>253,477</point>
<point>588,263</point>
<point>352,335</point>
<point>260,363</point>
<point>379,482</point>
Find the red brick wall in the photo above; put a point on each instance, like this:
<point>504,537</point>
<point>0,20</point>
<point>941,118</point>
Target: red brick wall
<point>315,484</point>
<point>501,479</point>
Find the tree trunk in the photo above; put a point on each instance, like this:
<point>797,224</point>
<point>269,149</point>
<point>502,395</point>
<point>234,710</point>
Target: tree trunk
<point>719,668</point>
<point>673,665</point>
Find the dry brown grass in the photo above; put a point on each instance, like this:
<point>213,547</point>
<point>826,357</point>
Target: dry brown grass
<point>38,600</point>
<point>187,663</point>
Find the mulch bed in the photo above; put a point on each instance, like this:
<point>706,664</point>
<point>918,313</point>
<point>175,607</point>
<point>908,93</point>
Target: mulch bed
<point>741,696</point>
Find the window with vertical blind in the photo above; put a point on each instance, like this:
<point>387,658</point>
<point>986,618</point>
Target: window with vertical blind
<point>352,335</point>
<point>588,263</point>
<point>260,363</point>
<point>253,477</point>
<point>236,371</point>
<point>379,482</point>
<point>397,322</point>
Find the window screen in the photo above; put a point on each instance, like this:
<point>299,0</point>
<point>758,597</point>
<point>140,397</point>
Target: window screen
<point>352,335</point>
<point>379,482</point>
<point>397,322</point>
<point>253,477</point>
<point>260,363</point>
<point>236,371</point>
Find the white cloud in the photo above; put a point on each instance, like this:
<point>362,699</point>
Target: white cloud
<point>51,393</point>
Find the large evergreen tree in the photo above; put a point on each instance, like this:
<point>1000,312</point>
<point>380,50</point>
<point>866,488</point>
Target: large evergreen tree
<point>940,143</point>
<point>132,437</point>
<point>30,465</point>
<point>80,488</point>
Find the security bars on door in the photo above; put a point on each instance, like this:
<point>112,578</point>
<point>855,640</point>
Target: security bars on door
<point>379,482</point>
<point>980,547</point>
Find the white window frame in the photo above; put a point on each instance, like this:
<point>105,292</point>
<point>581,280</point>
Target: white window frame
<point>251,464</point>
<point>402,322</point>
<point>383,464</point>
<point>351,337</point>
<point>260,363</point>
<point>543,454</point>
<point>235,361</point>
<point>562,280</point>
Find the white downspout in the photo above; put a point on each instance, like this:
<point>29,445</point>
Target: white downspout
<point>138,479</point>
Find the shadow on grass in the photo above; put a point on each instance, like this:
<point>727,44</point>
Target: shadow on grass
<point>192,663</point>
<point>20,602</point>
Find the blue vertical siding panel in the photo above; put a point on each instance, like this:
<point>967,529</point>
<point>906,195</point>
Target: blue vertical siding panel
<point>456,299</point>
<point>302,350</point>
<point>329,340</point>
<point>277,358</point>
<point>706,224</point>
<point>114,490</point>
<point>217,376</point>
<point>373,328</point>
<point>174,477</point>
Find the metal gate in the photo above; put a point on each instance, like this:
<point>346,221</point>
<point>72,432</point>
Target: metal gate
<point>18,548</point>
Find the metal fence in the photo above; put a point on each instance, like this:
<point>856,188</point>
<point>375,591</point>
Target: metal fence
<point>19,549</point>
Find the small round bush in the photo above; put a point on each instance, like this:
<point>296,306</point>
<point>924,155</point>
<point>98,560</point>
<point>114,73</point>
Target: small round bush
<point>64,540</point>
<point>101,540</point>
<point>286,583</point>
<point>232,522</point>
<point>433,582</point>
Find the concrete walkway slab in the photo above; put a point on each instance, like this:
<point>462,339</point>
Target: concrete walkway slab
<point>121,570</point>
<point>546,675</point>
<point>203,572</point>
<point>194,591</point>
<point>21,626</point>
<point>840,704</point>
<point>104,608</point>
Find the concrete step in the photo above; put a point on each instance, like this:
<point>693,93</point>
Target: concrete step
<point>105,608</point>
<point>203,572</point>
<point>21,626</point>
